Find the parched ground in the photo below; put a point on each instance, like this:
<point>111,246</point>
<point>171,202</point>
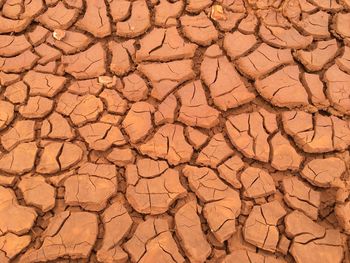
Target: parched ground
<point>159,131</point>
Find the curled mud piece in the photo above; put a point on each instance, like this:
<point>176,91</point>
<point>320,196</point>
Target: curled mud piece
<point>163,131</point>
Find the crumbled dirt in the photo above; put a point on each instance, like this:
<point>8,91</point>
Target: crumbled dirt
<point>162,131</point>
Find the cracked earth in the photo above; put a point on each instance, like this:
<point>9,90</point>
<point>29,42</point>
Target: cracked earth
<point>169,131</point>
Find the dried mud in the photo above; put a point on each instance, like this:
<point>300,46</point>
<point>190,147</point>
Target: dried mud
<point>175,131</point>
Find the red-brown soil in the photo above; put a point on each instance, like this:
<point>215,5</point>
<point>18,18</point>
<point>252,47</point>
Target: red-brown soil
<point>162,131</point>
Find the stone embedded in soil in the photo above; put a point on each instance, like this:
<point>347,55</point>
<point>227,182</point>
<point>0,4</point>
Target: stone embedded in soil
<point>6,114</point>
<point>145,232</point>
<point>194,110</point>
<point>168,143</point>
<point>315,24</point>
<point>101,136</point>
<point>121,156</point>
<point>13,45</point>
<point>41,84</point>
<point>284,38</point>
<point>166,13</point>
<point>317,58</point>
<point>257,183</point>
<point>37,192</point>
<point>216,151</point>
<point>283,88</point>
<point>164,45</point>
<point>70,234</point>
<point>325,172</point>
<point>138,121</point>
<point>137,23</point>
<point>14,218</point>
<point>134,88</point>
<point>284,155</point>
<point>114,102</point>
<point>237,44</point>
<point>153,195</point>
<point>195,137</point>
<point>189,231</point>
<point>166,110</point>
<point>260,228</point>
<point>311,241</point>
<point>117,224</point>
<point>11,245</point>
<point>228,171</point>
<point>36,107</point>
<point>263,60</point>
<point>314,85</point>
<point>58,16</point>
<point>56,127</point>
<point>19,63</point>
<point>71,43</point>
<point>249,132</point>
<point>222,203</point>
<point>59,34</point>
<point>337,92</point>
<point>165,77</point>
<point>298,195</point>
<point>316,133</point>
<point>121,53</point>
<point>86,64</point>
<point>95,19</point>
<point>22,131</point>
<point>199,29</point>
<point>19,160</point>
<point>58,156</point>
<point>227,89</point>
<point>92,186</point>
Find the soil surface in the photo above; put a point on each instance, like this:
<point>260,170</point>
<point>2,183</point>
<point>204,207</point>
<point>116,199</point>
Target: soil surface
<point>162,131</point>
